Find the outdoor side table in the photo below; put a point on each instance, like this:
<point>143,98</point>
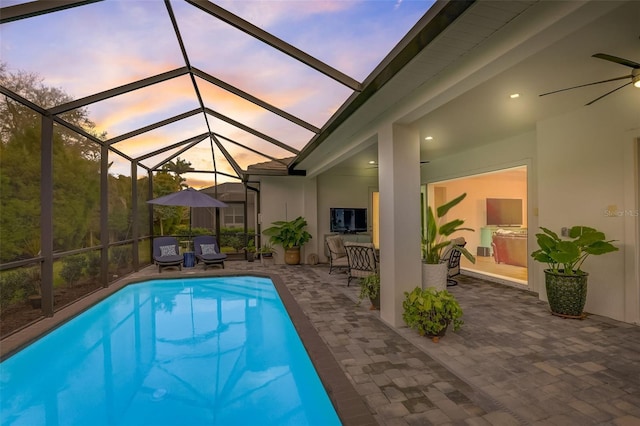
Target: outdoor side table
<point>189,259</point>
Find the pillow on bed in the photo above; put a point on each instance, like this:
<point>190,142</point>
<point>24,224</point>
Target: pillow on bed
<point>208,248</point>
<point>168,251</point>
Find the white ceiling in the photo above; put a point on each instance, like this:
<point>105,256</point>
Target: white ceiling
<point>545,46</point>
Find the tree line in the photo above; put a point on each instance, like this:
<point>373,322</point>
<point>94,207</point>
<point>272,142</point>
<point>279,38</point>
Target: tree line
<point>76,178</point>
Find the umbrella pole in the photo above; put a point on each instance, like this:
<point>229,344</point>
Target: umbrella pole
<point>190,218</point>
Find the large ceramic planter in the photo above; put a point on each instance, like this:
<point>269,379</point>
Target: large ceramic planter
<point>566,294</point>
<point>292,256</point>
<point>434,275</point>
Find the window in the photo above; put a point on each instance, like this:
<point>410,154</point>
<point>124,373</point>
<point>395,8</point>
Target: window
<point>234,216</point>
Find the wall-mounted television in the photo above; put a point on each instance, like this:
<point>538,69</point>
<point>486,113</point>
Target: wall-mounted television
<point>504,211</point>
<point>348,220</point>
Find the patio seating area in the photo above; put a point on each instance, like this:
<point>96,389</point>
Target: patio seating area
<point>512,363</point>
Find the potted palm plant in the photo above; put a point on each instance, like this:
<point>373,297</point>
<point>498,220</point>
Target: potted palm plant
<point>291,235</point>
<point>436,241</point>
<point>431,311</point>
<point>565,281</point>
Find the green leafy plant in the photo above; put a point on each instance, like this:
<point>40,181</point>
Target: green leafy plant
<point>93,264</point>
<point>288,234</point>
<point>121,257</point>
<point>567,255</point>
<point>16,285</point>
<point>266,249</point>
<point>251,246</point>
<point>431,311</point>
<point>231,241</point>
<point>369,287</point>
<point>435,241</point>
<point>72,267</point>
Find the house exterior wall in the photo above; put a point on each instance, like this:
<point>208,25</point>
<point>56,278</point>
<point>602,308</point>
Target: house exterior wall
<point>573,178</point>
<point>582,171</point>
<point>579,164</point>
<point>331,193</point>
<point>285,198</point>
<point>577,172</point>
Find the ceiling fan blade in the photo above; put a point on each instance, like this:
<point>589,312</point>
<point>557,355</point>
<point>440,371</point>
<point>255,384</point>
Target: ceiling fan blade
<point>608,93</point>
<point>588,84</point>
<point>617,60</point>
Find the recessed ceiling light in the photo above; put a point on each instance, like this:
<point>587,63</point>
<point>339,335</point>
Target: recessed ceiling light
<point>428,138</point>
<point>372,162</point>
<point>514,95</point>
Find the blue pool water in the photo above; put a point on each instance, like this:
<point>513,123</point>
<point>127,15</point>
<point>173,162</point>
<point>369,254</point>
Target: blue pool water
<point>215,351</point>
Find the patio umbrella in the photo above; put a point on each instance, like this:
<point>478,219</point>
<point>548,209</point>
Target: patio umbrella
<point>188,198</point>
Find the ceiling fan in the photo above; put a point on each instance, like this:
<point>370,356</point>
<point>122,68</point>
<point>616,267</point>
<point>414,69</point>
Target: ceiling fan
<point>634,76</point>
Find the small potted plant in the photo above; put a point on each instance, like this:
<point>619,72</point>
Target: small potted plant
<point>250,249</point>
<point>431,312</point>
<point>370,288</point>
<point>436,241</point>
<point>565,282</point>
<point>291,235</point>
<point>266,251</point>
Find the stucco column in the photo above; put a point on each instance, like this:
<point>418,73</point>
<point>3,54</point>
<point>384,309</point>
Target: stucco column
<point>399,183</point>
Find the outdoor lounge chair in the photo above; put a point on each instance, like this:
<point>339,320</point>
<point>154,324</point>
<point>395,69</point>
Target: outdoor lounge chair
<point>363,260</point>
<point>337,253</point>
<point>208,251</point>
<point>452,257</point>
<point>166,253</point>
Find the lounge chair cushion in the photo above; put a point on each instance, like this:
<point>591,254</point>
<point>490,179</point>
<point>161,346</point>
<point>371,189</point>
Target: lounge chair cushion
<point>168,251</point>
<point>336,247</point>
<point>208,249</point>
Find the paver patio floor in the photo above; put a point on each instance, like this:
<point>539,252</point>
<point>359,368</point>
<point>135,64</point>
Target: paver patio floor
<point>512,363</point>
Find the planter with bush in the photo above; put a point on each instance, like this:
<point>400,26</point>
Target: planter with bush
<point>430,312</point>
<point>370,289</point>
<point>291,235</point>
<point>565,281</point>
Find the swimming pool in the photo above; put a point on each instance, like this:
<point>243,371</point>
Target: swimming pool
<point>166,352</point>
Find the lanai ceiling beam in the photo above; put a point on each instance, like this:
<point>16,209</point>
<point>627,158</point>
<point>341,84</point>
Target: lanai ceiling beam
<point>89,136</point>
<point>38,109</point>
<point>249,149</point>
<point>196,88</point>
<point>276,43</point>
<point>153,126</point>
<point>244,95</point>
<point>421,35</point>
<point>196,139</point>
<point>97,97</point>
<point>35,8</point>
<point>174,155</point>
<point>228,156</point>
<point>251,130</point>
<point>24,101</point>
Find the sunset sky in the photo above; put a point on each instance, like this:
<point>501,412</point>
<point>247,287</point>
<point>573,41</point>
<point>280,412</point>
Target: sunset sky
<point>89,49</point>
